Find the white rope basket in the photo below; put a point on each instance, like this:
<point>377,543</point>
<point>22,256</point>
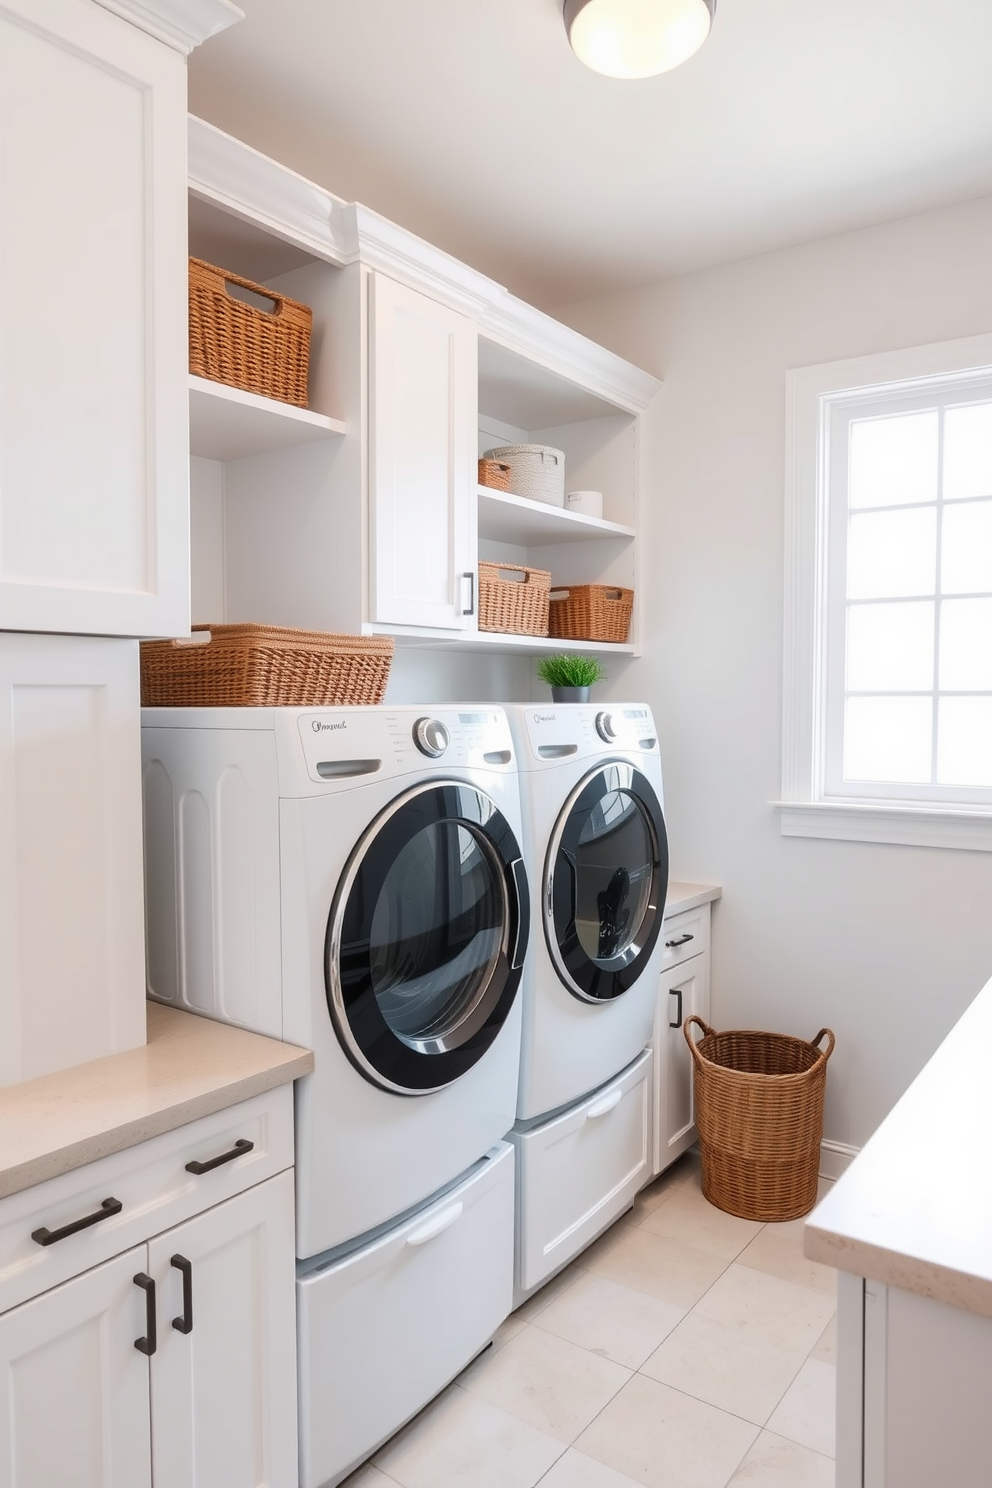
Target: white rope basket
<point>537,471</point>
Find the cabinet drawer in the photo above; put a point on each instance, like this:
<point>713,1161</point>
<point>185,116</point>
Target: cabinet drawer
<point>579,1171</point>
<point>685,935</point>
<point>151,1184</point>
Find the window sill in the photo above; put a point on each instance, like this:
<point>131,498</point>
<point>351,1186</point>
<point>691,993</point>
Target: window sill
<point>873,821</point>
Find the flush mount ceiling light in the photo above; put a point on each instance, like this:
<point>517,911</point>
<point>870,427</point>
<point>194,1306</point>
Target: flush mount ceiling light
<point>637,38</point>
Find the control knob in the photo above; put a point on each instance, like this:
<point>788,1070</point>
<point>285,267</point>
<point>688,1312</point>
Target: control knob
<point>431,737</point>
<point>606,727</point>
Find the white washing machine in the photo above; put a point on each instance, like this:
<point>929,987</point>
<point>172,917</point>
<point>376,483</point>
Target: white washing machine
<point>351,880</point>
<point>597,851</point>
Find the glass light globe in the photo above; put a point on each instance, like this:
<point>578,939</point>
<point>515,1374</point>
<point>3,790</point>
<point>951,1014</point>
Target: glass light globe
<point>637,38</point>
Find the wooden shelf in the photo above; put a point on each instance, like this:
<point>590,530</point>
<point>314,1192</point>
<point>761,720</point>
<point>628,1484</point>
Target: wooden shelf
<point>514,519</point>
<point>226,423</point>
<point>488,640</point>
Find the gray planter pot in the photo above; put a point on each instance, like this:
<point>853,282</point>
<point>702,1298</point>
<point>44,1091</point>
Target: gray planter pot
<point>570,694</point>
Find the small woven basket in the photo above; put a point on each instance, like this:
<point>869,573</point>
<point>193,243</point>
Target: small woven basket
<point>495,474</point>
<point>262,351</point>
<point>759,1112</point>
<point>537,471</point>
<point>591,612</point>
<point>264,666</point>
<point>513,606</point>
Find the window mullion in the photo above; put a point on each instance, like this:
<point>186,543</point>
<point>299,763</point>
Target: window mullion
<point>937,595</point>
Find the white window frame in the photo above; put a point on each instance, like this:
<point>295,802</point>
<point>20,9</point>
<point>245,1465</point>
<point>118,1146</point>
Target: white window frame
<point>806,809</point>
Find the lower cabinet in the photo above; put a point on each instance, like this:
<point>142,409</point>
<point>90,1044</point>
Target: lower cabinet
<point>912,1390</point>
<point>682,992</point>
<point>172,1364</point>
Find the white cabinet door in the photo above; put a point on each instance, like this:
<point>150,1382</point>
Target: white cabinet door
<point>93,403</point>
<point>74,1392</point>
<point>224,1390</point>
<point>423,515</point>
<point>682,991</point>
<point>72,945</point>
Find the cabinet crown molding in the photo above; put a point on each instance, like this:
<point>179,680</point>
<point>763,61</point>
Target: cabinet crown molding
<point>259,190</point>
<point>182,24</point>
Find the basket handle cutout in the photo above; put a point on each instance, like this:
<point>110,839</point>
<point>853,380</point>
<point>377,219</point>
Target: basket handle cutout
<point>201,636</point>
<point>513,576</point>
<point>237,289</point>
<point>613,594</point>
<point>828,1034</point>
<point>557,594</point>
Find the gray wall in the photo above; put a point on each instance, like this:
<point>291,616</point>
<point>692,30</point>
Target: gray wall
<point>885,944</point>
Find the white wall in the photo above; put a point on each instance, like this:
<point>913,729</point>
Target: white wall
<point>885,944</point>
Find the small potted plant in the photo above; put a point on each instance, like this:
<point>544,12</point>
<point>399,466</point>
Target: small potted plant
<point>570,677</point>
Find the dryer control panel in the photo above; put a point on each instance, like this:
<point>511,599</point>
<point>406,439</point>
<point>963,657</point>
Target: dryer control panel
<point>351,745</point>
<point>573,731</point>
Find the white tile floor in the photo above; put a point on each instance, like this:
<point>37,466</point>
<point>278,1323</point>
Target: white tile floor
<point>685,1349</point>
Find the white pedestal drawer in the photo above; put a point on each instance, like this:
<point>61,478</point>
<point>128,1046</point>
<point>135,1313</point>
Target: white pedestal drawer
<point>577,1172</point>
<point>385,1327</point>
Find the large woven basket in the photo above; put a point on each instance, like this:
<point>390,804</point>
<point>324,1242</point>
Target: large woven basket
<point>264,666</point>
<point>537,471</point>
<point>261,351</point>
<point>590,612</point>
<point>759,1112</point>
<point>511,605</point>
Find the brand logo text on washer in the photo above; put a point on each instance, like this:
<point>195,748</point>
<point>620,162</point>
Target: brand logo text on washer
<point>325,728</point>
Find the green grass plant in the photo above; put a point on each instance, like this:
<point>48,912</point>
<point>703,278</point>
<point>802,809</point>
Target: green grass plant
<point>569,670</point>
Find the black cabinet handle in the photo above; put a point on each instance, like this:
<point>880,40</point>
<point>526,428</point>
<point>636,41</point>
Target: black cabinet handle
<point>676,992</point>
<point>470,575</point>
<point>240,1146</point>
<point>48,1237</point>
<point>184,1324</point>
<point>149,1343</point>
<point>682,940</point>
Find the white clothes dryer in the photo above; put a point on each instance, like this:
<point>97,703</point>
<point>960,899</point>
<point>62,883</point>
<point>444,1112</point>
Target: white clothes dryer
<point>350,880</point>
<point>597,851</point>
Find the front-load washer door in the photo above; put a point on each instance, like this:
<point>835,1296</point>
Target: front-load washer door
<point>426,938</point>
<point>606,877</point>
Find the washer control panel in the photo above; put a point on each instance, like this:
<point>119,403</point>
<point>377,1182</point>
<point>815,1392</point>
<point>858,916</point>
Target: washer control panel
<point>431,737</point>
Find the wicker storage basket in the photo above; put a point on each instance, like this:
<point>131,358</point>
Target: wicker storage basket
<point>264,666</point>
<point>591,612</point>
<point>495,474</point>
<point>759,1112</point>
<point>537,471</point>
<point>513,606</point>
<point>261,351</point>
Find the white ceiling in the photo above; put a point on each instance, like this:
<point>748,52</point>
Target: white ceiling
<point>471,123</point>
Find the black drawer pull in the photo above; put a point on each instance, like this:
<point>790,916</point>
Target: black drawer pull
<point>240,1146</point>
<point>48,1237</point>
<point>184,1324</point>
<point>676,992</point>
<point>682,940</point>
<point>149,1343</point>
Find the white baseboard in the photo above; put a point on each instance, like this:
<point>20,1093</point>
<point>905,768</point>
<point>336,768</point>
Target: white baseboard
<point>836,1158</point>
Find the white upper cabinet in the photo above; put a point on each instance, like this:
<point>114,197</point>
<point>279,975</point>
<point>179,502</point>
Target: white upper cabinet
<point>94,473</point>
<point>422,426</point>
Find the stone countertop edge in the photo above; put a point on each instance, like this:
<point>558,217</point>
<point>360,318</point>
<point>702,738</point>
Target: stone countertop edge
<point>914,1209</point>
<point>683,896</point>
<point>190,1067</point>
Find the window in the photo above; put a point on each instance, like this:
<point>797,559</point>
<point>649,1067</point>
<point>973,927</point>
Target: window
<point>888,645</point>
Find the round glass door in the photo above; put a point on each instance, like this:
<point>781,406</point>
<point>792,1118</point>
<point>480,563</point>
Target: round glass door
<point>607,874</point>
<point>426,938</point>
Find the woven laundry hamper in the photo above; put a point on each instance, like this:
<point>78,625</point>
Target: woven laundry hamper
<point>537,471</point>
<point>759,1113</point>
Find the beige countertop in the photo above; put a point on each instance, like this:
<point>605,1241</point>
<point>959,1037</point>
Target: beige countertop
<point>914,1209</point>
<point>682,896</point>
<point>189,1068</point>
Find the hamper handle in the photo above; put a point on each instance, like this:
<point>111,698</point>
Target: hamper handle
<point>825,1053</point>
<point>687,1035</point>
<point>262,293</point>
